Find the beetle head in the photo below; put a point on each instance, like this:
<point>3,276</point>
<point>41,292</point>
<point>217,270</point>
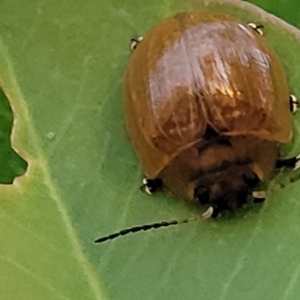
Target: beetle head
<point>226,189</point>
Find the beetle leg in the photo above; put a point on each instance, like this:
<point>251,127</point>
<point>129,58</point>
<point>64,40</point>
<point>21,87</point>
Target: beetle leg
<point>134,42</point>
<point>257,27</point>
<point>294,103</point>
<point>150,186</point>
<point>258,196</point>
<point>293,162</point>
<point>208,213</point>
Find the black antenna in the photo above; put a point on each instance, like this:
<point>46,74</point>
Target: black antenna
<point>143,228</point>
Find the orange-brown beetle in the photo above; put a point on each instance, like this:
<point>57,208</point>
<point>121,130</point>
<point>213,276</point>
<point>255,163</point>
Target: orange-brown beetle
<point>206,107</point>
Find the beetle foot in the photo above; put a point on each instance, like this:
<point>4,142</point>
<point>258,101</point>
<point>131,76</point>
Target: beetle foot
<point>134,42</point>
<point>294,103</point>
<point>293,162</point>
<point>257,27</point>
<point>208,213</point>
<point>150,186</point>
<point>259,196</point>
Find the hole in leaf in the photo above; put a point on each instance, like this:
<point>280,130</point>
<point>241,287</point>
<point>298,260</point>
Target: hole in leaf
<point>11,164</point>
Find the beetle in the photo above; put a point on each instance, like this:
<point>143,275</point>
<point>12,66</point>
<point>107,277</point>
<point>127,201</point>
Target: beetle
<point>206,107</point>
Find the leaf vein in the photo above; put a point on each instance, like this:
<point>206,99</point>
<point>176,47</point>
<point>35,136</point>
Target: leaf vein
<point>78,253</point>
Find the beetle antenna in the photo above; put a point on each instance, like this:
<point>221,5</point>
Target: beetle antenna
<point>143,228</point>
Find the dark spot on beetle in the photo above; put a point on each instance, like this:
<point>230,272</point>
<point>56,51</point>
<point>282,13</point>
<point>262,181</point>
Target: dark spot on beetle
<point>251,178</point>
<point>210,138</point>
<point>210,133</point>
<point>202,194</point>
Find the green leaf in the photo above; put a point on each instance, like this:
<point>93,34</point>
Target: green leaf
<point>61,70</point>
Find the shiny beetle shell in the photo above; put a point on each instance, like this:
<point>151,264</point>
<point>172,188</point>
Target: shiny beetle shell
<point>198,71</point>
